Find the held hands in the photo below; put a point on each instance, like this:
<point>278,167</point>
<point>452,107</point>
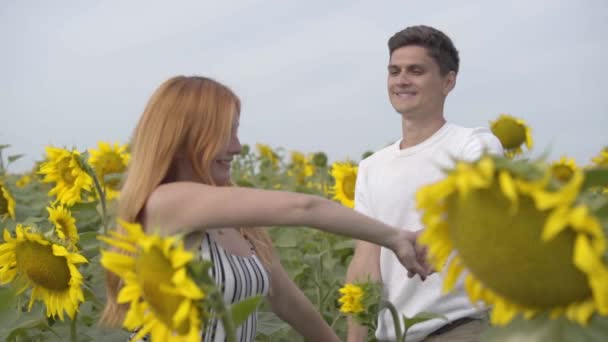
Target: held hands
<point>411,254</point>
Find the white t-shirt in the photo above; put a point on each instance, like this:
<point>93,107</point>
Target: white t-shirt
<point>386,187</point>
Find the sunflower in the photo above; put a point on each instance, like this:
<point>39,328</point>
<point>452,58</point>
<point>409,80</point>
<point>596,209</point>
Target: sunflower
<point>160,293</point>
<point>64,223</point>
<point>602,158</point>
<point>7,202</point>
<point>23,181</point>
<point>64,169</point>
<point>513,133</point>
<point>351,299</point>
<point>345,175</point>
<point>530,243</point>
<point>301,167</point>
<point>563,169</point>
<point>109,159</point>
<point>266,153</point>
<point>49,269</point>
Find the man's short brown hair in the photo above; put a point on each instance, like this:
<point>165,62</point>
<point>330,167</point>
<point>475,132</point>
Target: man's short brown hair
<point>438,45</point>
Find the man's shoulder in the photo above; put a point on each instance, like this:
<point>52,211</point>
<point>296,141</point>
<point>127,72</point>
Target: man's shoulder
<point>475,138</point>
<point>379,156</point>
<point>468,132</point>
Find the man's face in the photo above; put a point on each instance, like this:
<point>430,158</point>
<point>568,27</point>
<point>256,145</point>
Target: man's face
<point>415,85</point>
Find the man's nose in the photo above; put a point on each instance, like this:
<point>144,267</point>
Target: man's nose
<point>403,78</point>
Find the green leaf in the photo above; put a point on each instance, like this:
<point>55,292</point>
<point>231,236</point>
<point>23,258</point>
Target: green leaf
<point>7,298</point>
<point>595,177</point>
<point>241,310</point>
<point>23,329</point>
<point>287,239</point>
<point>3,146</point>
<point>14,157</point>
<point>543,329</point>
<point>269,324</point>
<point>199,271</point>
<point>245,184</point>
<point>421,317</point>
<point>344,244</point>
<point>84,206</point>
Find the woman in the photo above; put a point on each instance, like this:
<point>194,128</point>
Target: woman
<point>179,180</point>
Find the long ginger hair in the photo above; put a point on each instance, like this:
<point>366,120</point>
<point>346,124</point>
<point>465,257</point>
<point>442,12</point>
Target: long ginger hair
<point>192,114</point>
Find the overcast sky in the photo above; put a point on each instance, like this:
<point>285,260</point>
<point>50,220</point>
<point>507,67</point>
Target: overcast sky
<point>311,74</point>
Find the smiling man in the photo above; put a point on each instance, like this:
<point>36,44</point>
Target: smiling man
<point>422,71</point>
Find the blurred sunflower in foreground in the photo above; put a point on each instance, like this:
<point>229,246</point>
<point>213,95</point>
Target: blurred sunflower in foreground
<point>160,293</point>
<point>32,261</point>
<point>513,133</point>
<point>530,242</point>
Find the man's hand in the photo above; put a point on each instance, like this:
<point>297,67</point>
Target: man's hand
<point>421,257</point>
<point>406,251</point>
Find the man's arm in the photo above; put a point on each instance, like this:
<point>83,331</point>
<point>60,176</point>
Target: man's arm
<point>365,265</point>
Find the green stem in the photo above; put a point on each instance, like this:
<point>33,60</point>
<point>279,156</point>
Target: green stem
<point>329,292</point>
<point>336,317</point>
<point>100,193</point>
<point>1,164</point>
<point>73,325</point>
<point>222,312</point>
<point>102,200</point>
<point>399,337</point>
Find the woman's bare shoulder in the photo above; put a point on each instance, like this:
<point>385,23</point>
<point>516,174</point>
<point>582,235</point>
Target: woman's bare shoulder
<point>170,198</point>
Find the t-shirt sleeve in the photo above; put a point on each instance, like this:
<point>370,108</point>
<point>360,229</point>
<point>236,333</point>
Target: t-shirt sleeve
<point>362,204</point>
<point>481,140</point>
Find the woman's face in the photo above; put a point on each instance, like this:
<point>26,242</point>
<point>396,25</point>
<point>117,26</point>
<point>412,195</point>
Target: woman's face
<point>220,168</point>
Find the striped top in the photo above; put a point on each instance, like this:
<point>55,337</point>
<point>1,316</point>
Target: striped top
<point>238,277</point>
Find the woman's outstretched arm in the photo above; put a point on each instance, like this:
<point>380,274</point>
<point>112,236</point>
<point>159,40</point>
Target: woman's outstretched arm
<point>182,207</point>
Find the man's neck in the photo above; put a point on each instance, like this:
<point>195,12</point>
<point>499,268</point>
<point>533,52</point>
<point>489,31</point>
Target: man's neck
<point>417,130</point>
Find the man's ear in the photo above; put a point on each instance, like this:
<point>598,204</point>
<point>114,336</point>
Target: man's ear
<point>449,82</point>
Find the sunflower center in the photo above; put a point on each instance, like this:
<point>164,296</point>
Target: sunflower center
<point>62,227</point>
<point>154,271</point>
<point>506,254</point>
<point>111,162</point>
<point>113,184</point>
<point>562,173</point>
<point>510,133</point>
<point>42,267</point>
<point>348,186</point>
<point>66,171</point>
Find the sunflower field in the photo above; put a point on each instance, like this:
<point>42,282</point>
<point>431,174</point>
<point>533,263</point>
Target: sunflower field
<point>535,248</point>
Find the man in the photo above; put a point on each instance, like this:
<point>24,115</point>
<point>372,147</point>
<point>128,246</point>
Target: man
<point>422,71</point>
